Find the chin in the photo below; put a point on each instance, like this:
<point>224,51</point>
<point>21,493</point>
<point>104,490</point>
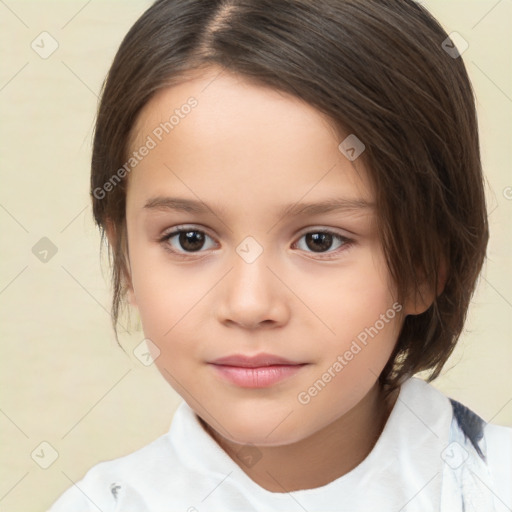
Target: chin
<point>268,431</point>
<point>257,439</point>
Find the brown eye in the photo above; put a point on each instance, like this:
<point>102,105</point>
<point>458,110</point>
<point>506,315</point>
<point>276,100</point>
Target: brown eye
<point>322,241</point>
<point>319,242</point>
<point>185,240</point>
<point>191,240</point>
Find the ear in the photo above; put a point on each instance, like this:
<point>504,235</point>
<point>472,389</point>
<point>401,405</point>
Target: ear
<point>426,294</point>
<point>112,236</point>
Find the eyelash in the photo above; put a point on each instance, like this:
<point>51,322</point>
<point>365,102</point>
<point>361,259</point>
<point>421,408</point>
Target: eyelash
<point>346,242</point>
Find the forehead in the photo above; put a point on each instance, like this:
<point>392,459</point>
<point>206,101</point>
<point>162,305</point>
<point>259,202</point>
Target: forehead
<point>240,141</point>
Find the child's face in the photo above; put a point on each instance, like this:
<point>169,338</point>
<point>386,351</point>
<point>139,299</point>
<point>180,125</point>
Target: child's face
<point>246,152</point>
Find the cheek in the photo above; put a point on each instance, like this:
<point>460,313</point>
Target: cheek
<point>165,306</point>
<point>350,365</point>
<point>360,307</point>
<point>355,299</point>
<point>159,292</point>
<point>173,303</point>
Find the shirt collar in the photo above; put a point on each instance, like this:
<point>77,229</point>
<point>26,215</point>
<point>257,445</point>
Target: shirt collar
<point>404,464</point>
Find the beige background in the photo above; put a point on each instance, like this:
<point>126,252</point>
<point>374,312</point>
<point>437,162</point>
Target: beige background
<point>64,379</point>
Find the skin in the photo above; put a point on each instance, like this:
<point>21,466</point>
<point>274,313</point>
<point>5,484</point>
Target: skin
<point>246,151</point>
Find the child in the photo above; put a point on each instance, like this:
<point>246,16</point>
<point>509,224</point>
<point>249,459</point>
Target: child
<point>322,161</point>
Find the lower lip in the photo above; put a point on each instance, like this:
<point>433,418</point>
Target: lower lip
<point>260,377</point>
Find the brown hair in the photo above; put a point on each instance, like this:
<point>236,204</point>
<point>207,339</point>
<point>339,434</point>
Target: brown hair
<point>378,69</point>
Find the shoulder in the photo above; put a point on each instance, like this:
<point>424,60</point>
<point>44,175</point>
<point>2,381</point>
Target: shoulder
<point>482,464</point>
<point>110,482</point>
<point>493,443</point>
<point>498,441</point>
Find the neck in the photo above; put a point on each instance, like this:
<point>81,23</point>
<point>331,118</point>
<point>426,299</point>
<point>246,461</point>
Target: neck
<point>324,456</point>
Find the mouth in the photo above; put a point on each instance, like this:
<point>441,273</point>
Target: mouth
<point>260,371</point>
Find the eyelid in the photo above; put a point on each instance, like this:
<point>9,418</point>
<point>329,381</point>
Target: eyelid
<point>347,242</point>
<point>324,229</point>
<point>183,227</point>
<point>176,230</point>
<point>308,229</point>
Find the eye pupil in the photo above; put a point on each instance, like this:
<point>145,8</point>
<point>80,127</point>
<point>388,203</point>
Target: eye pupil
<point>191,240</point>
<point>322,241</point>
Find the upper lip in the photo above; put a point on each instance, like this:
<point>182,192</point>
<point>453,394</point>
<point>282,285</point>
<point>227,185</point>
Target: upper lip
<point>255,361</point>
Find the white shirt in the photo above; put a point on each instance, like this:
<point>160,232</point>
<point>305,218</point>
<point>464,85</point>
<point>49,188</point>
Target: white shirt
<point>422,461</point>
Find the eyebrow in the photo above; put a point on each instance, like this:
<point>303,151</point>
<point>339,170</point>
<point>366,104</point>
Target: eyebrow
<point>337,204</point>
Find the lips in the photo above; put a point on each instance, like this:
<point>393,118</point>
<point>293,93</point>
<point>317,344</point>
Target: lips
<point>258,371</point>
<point>256,361</point>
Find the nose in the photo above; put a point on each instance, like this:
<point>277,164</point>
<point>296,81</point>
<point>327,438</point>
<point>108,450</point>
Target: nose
<point>251,295</point>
